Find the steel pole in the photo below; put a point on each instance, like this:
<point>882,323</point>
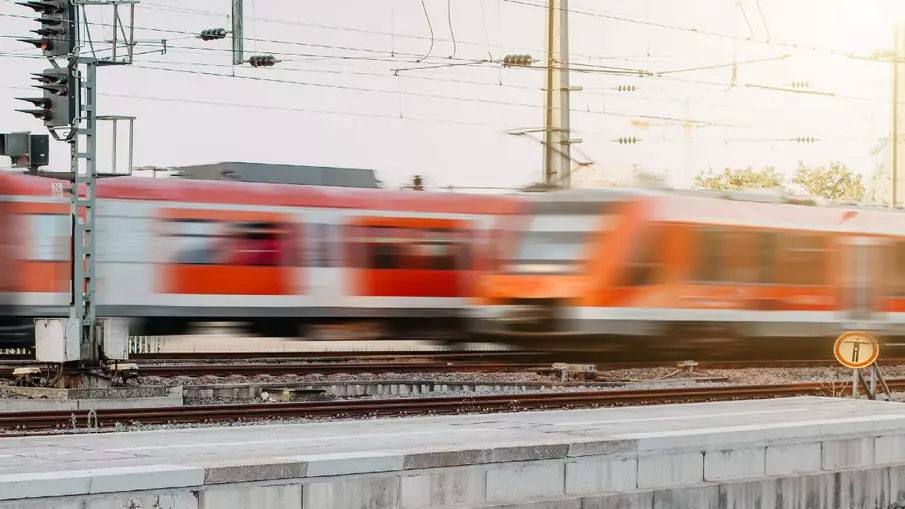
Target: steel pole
<point>238,32</point>
<point>894,170</point>
<point>557,152</point>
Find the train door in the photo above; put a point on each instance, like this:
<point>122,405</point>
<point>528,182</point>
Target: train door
<point>325,271</point>
<point>864,290</point>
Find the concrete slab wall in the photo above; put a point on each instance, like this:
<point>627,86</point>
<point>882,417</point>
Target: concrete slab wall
<point>375,388</point>
<point>705,470</point>
<point>37,405</point>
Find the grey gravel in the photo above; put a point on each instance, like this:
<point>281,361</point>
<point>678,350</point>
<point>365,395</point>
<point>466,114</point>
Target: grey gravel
<point>5,394</point>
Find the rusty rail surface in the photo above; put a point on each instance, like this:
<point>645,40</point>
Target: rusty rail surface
<point>198,370</point>
<point>13,422</point>
<point>419,364</point>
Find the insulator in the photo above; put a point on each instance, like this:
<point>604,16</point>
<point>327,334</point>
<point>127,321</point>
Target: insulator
<point>211,34</point>
<point>262,60</point>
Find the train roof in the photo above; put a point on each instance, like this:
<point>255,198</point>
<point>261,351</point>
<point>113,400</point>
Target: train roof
<point>270,195</point>
<point>771,209</point>
<point>762,195</point>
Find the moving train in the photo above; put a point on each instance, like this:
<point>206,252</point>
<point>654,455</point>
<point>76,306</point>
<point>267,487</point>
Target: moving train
<point>285,260</point>
<point>576,268</point>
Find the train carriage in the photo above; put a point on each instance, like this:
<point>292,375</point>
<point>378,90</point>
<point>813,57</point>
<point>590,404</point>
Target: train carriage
<point>585,268</point>
<point>279,258</point>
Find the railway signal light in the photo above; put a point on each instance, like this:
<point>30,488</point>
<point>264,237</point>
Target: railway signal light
<point>213,34</point>
<point>517,60</point>
<point>57,33</point>
<point>624,141</point>
<point>57,107</point>
<point>262,60</point>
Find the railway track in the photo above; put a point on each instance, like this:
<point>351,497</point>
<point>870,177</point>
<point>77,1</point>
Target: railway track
<point>13,423</point>
<point>376,365</point>
<point>223,370</point>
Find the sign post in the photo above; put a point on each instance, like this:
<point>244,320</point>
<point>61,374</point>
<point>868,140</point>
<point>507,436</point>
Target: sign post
<point>859,350</point>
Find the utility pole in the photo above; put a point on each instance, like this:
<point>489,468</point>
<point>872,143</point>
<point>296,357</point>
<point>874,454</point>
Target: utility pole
<point>557,150</point>
<point>69,111</point>
<point>896,57</point>
<point>238,32</point>
<point>897,68</point>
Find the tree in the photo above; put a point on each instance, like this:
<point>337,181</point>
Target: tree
<point>737,180</point>
<point>835,182</point>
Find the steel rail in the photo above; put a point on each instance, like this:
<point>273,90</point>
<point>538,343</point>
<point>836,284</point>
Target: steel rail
<point>107,418</point>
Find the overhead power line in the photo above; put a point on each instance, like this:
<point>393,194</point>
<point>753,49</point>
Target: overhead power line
<point>667,26</point>
<point>441,79</point>
<point>417,94</point>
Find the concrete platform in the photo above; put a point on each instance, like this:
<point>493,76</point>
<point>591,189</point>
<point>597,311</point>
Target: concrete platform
<point>790,453</point>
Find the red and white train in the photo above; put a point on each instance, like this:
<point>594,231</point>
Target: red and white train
<point>278,257</point>
<point>582,267</point>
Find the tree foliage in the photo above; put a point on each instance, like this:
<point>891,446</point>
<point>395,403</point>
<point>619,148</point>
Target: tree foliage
<point>736,180</point>
<point>833,182</point>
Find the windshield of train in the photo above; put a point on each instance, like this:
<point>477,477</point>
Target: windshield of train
<point>555,237</point>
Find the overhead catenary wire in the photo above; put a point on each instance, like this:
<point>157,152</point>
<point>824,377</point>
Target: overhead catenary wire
<point>345,48</point>
<point>430,27</point>
<point>441,79</point>
<point>452,34</point>
<point>201,102</point>
<point>791,114</point>
<point>763,20</point>
<point>417,94</point>
<point>667,26</point>
<point>741,6</point>
<point>459,40</point>
<point>273,41</point>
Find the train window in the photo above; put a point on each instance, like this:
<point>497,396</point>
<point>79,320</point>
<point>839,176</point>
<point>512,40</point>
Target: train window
<point>203,242</point>
<point>767,251</point>
<point>390,247</point>
<point>708,268</point>
<point>800,259</point>
<point>727,256</point>
<point>553,243</point>
<point>50,237</point>
<point>646,258</point>
<point>740,257</point>
<point>552,246</point>
<point>899,268</point>
<point>383,248</point>
<point>464,240</point>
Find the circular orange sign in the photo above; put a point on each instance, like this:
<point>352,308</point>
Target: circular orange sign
<point>856,349</point>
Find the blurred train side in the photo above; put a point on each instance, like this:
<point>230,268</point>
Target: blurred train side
<point>585,267</point>
<point>279,258</point>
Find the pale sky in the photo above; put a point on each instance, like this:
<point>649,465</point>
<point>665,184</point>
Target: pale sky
<point>339,102</point>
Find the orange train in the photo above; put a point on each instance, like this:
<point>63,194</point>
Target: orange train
<point>583,266</point>
<point>280,258</point>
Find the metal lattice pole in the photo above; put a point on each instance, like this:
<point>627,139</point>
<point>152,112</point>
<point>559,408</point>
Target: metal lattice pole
<point>83,215</point>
